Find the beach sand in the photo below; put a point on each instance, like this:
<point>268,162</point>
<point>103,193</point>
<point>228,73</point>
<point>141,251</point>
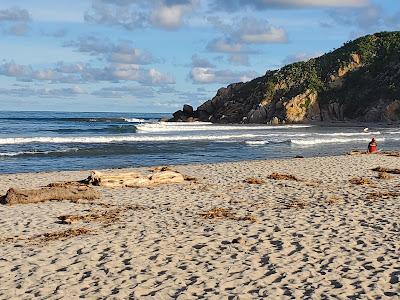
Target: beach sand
<point>319,238</point>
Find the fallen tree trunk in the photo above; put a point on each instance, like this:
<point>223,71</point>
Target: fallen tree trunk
<point>50,193</point>
<point>133,179</point>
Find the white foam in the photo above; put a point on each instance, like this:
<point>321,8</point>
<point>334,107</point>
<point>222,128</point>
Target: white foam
<point>184,123</point>
<point>252,143</point>
<point>116,139</point>
<point>10,154</point>
<point>316,141</point>
<point>134,120</point>
<point>204,126</point>
<point>350,133</point>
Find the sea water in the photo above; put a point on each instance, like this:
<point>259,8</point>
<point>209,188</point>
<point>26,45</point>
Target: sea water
<point>52,141</point>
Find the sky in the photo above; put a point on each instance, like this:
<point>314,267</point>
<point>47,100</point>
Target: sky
<point>155,56</point>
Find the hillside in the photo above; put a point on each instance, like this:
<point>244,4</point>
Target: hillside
<point>359,81</point>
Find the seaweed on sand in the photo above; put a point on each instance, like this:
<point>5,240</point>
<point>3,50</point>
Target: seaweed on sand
<point>278,176</point>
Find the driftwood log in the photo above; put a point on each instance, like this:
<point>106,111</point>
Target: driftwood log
<point>80,190</point>
<point>49,193</point>
<point>134,179</point>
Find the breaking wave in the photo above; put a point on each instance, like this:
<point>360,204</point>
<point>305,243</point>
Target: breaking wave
<point>253,143</point>
<point>31,153</point>
<point>205,126</point>
<point>316,141</point>
<point>135,120</point>
<point>372,133</point>
<point>119,139</point>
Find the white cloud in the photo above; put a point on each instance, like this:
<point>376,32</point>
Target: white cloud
<point>43,92</point>
<point>84,73</point>
<point>208,75</point>
<point>239,34</point>
<point>316,3</point>
<point>226,46</point>
<point>14,14</point>
<point>15,21</point>
<point>171,16</point>
<point>365,18</point>
<point>125,91</point>
<point>269,35</point>
<point>129,55</point>
<point>198,61</point>
<point>236,5</point>
<point>122,52</point>
<point>299,57</point>
<point>165,14</point>
<point>202,75</point>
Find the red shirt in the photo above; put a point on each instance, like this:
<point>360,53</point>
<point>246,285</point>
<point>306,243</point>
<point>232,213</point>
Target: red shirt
<point>372,147</point>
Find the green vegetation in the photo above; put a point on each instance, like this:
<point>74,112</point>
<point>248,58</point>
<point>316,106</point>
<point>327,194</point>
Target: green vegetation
<point>306,104</point>
<point>369,80</point>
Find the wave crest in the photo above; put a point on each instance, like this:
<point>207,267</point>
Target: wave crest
<point>116,139</point>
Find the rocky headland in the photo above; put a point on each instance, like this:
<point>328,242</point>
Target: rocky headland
<point>358,82</point>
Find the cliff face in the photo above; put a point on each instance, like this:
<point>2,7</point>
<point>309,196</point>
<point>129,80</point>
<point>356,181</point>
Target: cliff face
<point>357,82</point>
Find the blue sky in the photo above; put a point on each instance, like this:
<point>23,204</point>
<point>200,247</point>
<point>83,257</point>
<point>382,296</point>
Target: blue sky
<point>154,56</point>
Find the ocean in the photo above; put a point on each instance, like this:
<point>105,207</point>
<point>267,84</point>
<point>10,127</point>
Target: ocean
<point>53,141</point>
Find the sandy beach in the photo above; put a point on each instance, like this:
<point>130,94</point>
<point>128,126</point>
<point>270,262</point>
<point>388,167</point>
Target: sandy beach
<point>220,237</point>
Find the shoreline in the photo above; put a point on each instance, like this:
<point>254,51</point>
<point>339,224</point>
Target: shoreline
<point>182,165</point>
<point>218,237</point>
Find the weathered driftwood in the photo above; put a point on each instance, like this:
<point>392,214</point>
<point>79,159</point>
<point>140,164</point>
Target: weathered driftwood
<point>49,193</point>
<point>134,179</point>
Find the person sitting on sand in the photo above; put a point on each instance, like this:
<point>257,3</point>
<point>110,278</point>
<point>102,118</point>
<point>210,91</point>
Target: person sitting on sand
<point>372,146</point>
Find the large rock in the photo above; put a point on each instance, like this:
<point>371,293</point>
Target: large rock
<point>188,110</point>
<point>178,116</point>
<point>258,115</point>
<point>357,82</point>
<point>302,107</point>
<point>275,121</point>
<point>206,107</point>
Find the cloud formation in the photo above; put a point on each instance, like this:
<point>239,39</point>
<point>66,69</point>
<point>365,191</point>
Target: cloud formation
<point>170,15</point>
<point>235,5</point>
<point>201,62</point>
<point>43,92</point>
<point>299,57</point>
<point>208,75</point>
<point>131,14</point>
<point>249,31</point>
<point>14,14</point>
<point>363,20</point>
<point>204,72</point>
<point>226,45</point>
<point>125,91</point>
<point>238,35</point>
<point>123,52</point>
<point>15,21</point>
<point>84,73</point>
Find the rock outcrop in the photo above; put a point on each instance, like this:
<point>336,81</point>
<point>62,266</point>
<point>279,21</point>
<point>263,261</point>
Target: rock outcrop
<point>358,82</point>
